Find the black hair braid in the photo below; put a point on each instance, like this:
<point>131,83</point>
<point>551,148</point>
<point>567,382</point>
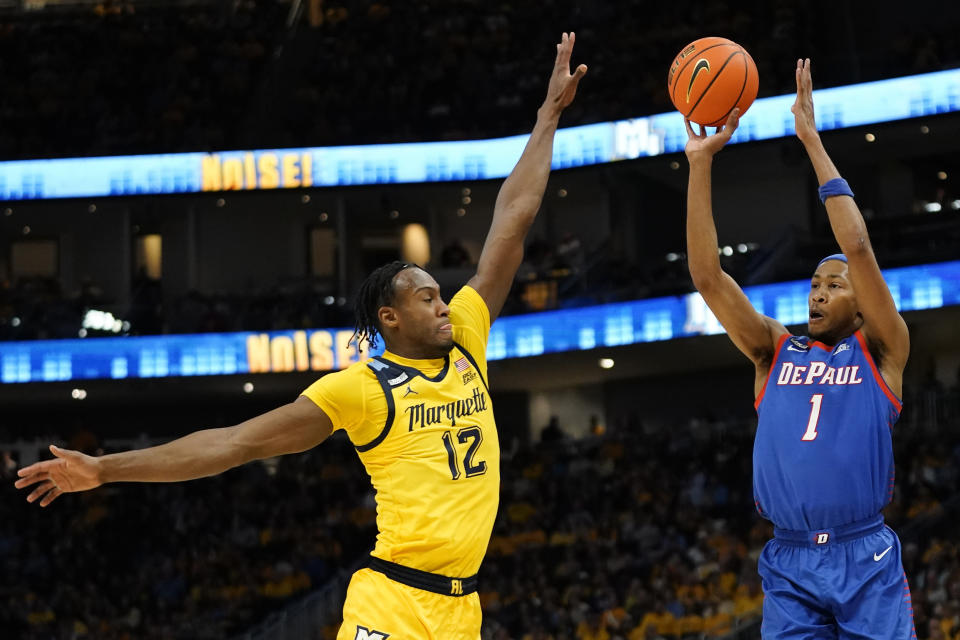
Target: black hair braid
<point>375,292</point>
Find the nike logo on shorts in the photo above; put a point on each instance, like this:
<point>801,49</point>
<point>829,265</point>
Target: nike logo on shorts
<point>877,557</point>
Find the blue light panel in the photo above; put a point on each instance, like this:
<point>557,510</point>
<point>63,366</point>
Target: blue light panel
<point>839,107</point>
<point>918,287</point>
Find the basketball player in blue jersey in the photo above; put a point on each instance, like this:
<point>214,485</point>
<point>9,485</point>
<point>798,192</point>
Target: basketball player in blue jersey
<point>823,454</point>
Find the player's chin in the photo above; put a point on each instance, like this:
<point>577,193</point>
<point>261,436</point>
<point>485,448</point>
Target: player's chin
<point>445,342</point>
<point>817,331</point>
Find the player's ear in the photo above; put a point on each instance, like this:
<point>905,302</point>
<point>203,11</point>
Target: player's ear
<point>388,317</point>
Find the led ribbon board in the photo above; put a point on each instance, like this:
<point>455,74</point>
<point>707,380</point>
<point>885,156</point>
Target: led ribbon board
<point>913,288</point>
<point>839,107</point>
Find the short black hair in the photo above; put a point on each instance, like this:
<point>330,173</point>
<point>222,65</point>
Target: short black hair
<point>375,292</point>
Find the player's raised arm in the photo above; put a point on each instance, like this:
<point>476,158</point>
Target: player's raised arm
<point>521,193</point>
<point>753,333</point>
<point>292,428</point>
<point>882,324</point>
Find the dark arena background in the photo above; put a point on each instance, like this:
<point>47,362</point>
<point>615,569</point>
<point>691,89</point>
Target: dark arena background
<point>144,296</point>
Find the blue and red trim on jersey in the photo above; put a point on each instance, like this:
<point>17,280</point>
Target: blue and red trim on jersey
<point>773,365</point>
<point>876,372</point>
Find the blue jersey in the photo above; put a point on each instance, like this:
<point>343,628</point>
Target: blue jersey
<point>823,454</point>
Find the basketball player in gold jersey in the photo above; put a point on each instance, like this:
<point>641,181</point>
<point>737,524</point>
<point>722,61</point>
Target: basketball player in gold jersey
<point>420,418</point>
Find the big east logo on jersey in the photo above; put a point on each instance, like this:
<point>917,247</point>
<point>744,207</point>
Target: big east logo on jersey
<point>818,373</point>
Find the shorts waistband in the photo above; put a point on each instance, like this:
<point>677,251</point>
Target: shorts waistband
<point>435,583</point>
<point>830,535</point>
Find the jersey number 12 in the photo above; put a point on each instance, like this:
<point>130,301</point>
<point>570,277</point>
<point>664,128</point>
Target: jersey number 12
<point>811,432</point>
<point>475,437</point>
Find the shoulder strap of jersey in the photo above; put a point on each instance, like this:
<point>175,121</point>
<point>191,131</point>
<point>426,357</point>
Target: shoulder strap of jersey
<point>470,357</point>
<point>389,376</point>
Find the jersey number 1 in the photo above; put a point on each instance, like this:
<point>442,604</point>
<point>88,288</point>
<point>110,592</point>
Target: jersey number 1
<point>475,436</point>
<point>811,432</point>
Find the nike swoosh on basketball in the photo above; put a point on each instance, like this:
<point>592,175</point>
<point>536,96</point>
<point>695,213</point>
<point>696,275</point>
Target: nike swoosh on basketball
<point>702,64</point>
<point>879,556</point>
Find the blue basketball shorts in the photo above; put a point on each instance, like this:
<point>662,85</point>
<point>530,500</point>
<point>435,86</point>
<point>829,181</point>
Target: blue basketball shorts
<point>845,582</point>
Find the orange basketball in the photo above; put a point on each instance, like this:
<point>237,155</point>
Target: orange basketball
<point>711,76</point>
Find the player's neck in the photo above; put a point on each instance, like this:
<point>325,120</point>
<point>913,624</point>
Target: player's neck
<point>413,352</point>
<point>832,339</point>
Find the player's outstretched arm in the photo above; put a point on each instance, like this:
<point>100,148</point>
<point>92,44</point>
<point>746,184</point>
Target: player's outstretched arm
<point>519,198</point>
<point>882,324</point>
<point>292,428</point>
<point>753,333</point>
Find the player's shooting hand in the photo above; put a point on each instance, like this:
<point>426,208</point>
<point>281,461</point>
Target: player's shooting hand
<point>563,84</point>
<point>700,145</point>
<point>70,471</point>
<point>802,107</point>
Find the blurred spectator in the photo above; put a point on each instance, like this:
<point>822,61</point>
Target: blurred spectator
<point>455,256</point>
<point>552,433</point>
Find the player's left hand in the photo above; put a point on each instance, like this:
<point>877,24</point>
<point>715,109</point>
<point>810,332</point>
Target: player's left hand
<point>563,84</point>
<point>802,108</point>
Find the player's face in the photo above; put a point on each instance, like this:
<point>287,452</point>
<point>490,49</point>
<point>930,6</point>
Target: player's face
<point>833,304</point>
<point>423,316</point>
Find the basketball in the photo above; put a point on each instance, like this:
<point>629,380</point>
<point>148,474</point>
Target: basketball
<point>709,78</point>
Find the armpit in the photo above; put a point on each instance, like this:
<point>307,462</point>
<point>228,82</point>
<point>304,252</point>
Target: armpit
<point>877,351</point>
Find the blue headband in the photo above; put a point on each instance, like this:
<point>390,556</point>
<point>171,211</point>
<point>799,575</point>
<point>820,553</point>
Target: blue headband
<point>836,256</point>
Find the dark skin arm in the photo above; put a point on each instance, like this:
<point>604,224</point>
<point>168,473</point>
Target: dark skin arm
<point>753,333</point>
<point>520,196</point>
<point>292,428</point>
<point>883,327</point>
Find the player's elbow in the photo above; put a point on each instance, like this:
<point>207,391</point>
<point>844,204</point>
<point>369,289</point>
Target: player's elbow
<point>705,280</point>
<point>855,245</point>
<point>521,212</point>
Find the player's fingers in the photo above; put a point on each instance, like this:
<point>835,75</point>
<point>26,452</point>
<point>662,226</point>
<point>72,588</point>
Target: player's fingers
<point>36,467</point>
<point>690,133</point>
<point>579,72</point>
<point>40,490</point>
<point>31,479</point>
<point>733,121</point>
<point>55,493</point>
<point>703,131</point>
<point>66,454</point>
<point>563,58</point>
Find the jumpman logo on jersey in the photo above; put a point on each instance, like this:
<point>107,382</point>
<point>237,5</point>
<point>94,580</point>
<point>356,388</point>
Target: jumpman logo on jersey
<point>409,391</point>
<point>369,634</point>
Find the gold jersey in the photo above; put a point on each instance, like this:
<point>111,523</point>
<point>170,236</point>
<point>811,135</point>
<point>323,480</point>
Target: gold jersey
<point>425,432</point>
